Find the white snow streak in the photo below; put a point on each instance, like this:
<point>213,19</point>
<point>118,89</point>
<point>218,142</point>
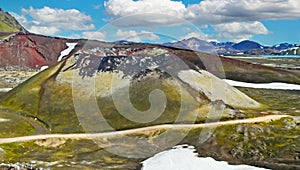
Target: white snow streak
<point>277,85</point>
<point>4,90</point>
<point>44,68</point>
<point>67,51</point>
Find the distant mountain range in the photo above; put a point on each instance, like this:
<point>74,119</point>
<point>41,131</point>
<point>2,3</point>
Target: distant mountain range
<point>246,47</point>
<point>194,44</point>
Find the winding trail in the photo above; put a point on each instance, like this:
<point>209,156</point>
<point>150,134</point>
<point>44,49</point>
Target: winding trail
<point>79,136</point>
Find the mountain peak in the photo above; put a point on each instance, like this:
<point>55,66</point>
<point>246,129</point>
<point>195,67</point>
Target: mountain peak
<point>193,43</point>
<point>247,45</point>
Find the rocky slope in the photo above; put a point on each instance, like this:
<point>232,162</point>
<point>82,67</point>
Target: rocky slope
<point>29,52</point>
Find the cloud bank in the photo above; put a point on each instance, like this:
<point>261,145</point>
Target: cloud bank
<point>52,21</point>
<point>231,19</point>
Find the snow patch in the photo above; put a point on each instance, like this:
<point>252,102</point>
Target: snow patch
<point>185,157</point>
<point>4,120</point>
<point>278,86</point>
<point>43,68</point>
<point>4,90</point>
<point>67,51</point>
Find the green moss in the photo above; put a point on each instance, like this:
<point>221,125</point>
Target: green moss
<point>288,103</point>
<point>8,23</point>
<point>25,97</point>
<point>15,125</point>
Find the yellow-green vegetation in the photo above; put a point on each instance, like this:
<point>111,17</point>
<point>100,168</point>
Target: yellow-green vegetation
<point>288,103</point>
<point>25,97</point>
<point>15,125</point>
<point>8,23</point>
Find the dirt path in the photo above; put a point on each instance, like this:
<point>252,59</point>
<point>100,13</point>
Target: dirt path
<point>144,129</point>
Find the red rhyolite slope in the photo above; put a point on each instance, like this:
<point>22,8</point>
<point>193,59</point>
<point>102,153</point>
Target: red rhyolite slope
<point>30,51</point>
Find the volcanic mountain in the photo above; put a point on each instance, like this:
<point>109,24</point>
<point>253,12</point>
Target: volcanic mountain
<point>30,52</point>
<point>108,71</point>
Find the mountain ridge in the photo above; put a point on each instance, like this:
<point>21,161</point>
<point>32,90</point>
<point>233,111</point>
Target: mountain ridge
<point>246,47</point>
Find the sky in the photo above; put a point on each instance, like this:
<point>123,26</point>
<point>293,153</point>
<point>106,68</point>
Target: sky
<point>268,22</point>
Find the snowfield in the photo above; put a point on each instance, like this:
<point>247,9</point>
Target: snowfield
<point>185,157</point>
<point>278,86</point>
<point>67,51</point>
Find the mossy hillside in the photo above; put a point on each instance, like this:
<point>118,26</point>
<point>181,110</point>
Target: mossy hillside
<point>266,76</point>
<point>49,99</point>
<point>288,103</point>
<point>25,97</point>
<point>8,23</point>
<point>139,95</point>
<point>49,96</point>
<point>15,125</point>
<point>4,27</point>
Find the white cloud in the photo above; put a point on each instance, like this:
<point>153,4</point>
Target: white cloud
<point>52,21</point>
<point>94,35</point>
<point>132,35</point>
<point>238,31</point>
<point>222,11</point>
<point>205,12</point>
<point>232,19</point>
<point>145,12</point>
<point>44,30</point>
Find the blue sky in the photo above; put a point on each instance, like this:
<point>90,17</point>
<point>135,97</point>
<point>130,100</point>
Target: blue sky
<point>267,22</point>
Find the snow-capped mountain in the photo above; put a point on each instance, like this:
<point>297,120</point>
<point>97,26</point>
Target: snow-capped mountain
<point>245,47</point>
<point>193,44</point>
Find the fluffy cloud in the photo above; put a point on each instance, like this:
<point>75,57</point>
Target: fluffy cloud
<point>132,35</point>
<point>91,35</point>
<point>205,12</point>
<point>238,31</point>
<point>94,35</point>
<point>44,30</point>
<point>224,11</point>
<point>51,21</point>
<point>145,12</point>
<point>231,19</point>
